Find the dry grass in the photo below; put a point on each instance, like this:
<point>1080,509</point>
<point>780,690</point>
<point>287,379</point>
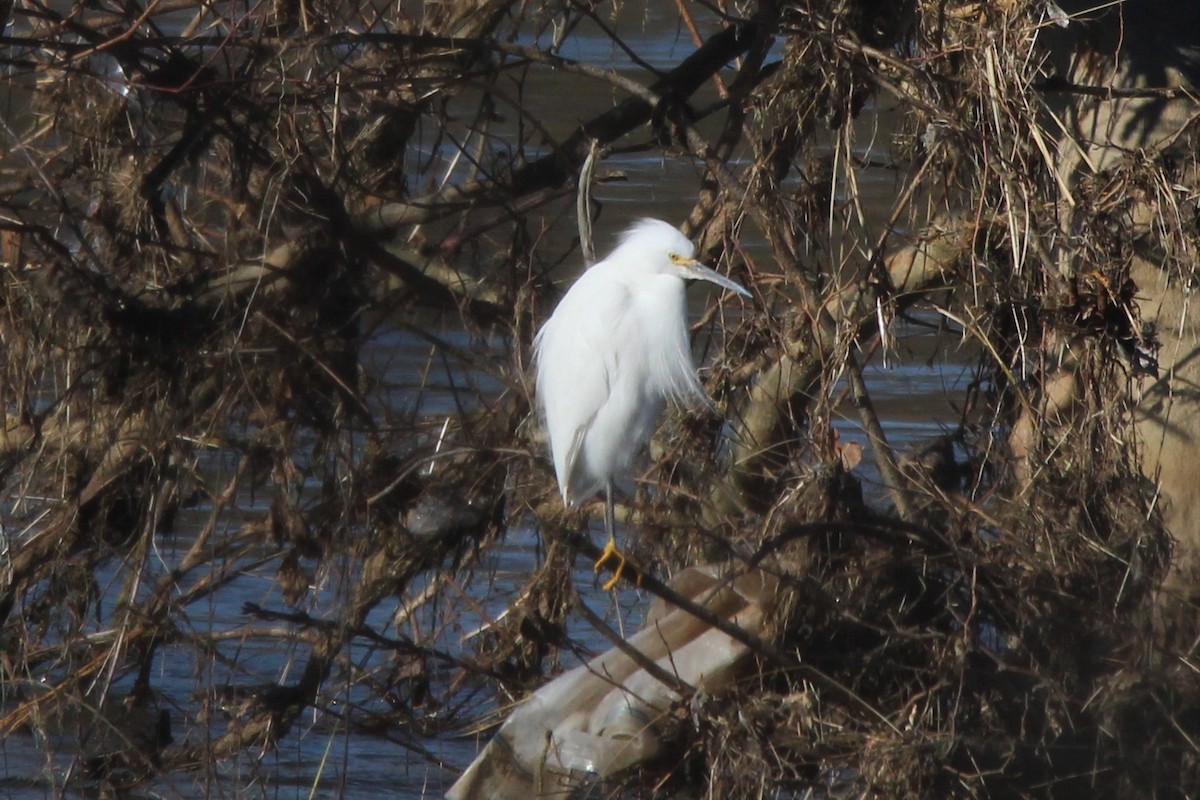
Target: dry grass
<point>209,237</point>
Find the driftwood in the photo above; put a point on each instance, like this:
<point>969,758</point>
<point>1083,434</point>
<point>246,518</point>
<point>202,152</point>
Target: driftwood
<point>619,709</point>
<point>274,275</point>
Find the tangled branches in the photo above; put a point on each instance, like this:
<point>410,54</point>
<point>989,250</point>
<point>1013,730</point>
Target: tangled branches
<point>270,276</point>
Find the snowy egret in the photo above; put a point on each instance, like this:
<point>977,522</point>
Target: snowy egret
<point>613,352</point>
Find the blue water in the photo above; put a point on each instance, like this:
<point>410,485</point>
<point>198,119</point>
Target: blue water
<point>327,754</point>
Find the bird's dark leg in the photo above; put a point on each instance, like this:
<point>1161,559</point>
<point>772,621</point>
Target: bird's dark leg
<point>610,517</point>
<point>610,548</point>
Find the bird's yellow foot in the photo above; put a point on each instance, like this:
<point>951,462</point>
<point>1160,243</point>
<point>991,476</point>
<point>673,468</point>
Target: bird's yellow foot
<point>611,551</point>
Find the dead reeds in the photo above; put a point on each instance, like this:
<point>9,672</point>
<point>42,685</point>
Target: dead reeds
<point>268,288</point>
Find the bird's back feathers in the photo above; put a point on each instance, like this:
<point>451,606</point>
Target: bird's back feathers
<point>612,354</point>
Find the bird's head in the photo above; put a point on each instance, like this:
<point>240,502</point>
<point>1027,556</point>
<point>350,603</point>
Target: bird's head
<point>658,246</point>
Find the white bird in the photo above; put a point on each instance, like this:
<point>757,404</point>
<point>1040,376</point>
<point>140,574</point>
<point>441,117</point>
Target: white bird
<point>612,354</point>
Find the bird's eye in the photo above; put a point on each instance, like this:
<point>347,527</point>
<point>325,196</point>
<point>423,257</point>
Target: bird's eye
<point>678,259</point>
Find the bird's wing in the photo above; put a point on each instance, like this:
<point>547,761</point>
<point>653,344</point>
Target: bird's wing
<point>578,352</point>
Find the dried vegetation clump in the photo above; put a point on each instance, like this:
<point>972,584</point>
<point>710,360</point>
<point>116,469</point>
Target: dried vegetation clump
<point>270,277</point>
